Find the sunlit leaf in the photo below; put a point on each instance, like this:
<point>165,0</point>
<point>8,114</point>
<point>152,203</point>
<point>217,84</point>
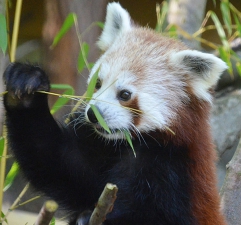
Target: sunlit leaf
<point>2,142</point>
<point>100,118</point>
<point>92,83</point>
<point>173,31</point>
<point>128,138</point>
<point>91,65</point>
<point>11,176</point>
<point>238,66</point>
<point>100,24</point>
<point>161,16</point>
<point>83,54</point>
<point>62,86</point>
<point>220,30</point>
<point>237,22</point>
<point>3,34</point>
<point>225,9</point>
<point>68,23</point>
<point>69,90</point>
<point>52,222</point>
<point>61,101</point>
<point>225,56</point>
<point>3,216</point>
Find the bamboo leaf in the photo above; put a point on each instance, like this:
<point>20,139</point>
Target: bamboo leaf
<point>11,176</point>
<point>237,22</point>
<point>220,30</point>
<point>172,31</point>
<point>3,216</point>
<point>225,9</point>
<point>91,87</point>
<point>3,34</point>
<point>61,101</point>
<point>62,86</point>
<point>100,118</point>
<point>128,138</point>
<point>52,222</point>
<point>2,142</point>
<point>100,24</point>
<point>225,56</point>
<point>238,66</point>
<point>161,15</point>
<point>69,90</point>
<point>91,65</point>
<point>83,54</point>
<point>68,23</point>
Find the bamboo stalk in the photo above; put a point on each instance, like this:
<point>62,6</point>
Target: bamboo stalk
<point>16,202</point>
<point>12,59</point>
<point>46,213</point>
<point>3,168</point>
<point>15,30</point>
<point>105,205</point>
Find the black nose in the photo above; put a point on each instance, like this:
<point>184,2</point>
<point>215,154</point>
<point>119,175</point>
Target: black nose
<point>91,116</point>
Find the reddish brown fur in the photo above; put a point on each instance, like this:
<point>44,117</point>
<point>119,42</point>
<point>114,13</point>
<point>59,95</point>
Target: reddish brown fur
<point>136,115</point>
<point>192,128</point>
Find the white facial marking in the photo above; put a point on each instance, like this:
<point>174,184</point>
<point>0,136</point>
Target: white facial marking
<point>155,69</point>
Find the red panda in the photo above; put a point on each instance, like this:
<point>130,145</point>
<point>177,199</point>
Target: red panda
<point>151,86</point>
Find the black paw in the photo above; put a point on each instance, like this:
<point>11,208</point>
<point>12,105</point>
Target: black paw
<point>22,81</point>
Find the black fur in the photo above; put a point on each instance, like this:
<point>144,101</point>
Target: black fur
<point>73,168</point>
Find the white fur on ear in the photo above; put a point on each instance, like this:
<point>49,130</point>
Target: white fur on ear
<point>203,69</point>
<point>117,21</point>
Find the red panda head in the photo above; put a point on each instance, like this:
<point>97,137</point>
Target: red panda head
<point>145,79</point>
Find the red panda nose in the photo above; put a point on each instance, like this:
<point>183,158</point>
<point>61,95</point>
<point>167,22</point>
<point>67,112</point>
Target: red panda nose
<point>91,116</point>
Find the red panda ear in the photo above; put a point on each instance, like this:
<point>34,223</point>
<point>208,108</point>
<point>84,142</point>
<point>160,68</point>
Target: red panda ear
<point>117,21</point>
<point>203,69</point>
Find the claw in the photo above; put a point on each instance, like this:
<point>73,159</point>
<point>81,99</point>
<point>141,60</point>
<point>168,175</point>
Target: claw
<point>28,90</point>
<point>18,93</point>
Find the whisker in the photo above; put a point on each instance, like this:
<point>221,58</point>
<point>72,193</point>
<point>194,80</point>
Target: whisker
<point>81,103</point>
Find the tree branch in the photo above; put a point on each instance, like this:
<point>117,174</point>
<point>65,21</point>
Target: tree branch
<point>46,213</point>
<point>105,205</point>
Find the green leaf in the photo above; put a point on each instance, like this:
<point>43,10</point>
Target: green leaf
<point>68,23</point>
<point>237,22</point>
<point>2,143</point>
<point>161,18</point>
<point>100,118</point>
<point>91,65</point>
<point>61,101</point>
<point>225,56</point>
<point>173,31</point>
<point>128,138</point>
<point>3,216</point>
<point>91,87</point>
<point>100,24</point>
<point>52,222</point>
<point>61,86</point>
<point>225,9</point>
<point>83,54</point>
<point>238,66</point>
<point>3,34</point>
<point>11,176</point>
<point>220,30</point>
<point>69,90</point>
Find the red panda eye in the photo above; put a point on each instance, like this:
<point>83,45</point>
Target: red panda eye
<point>124,95</point>
<point>98,84</point>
